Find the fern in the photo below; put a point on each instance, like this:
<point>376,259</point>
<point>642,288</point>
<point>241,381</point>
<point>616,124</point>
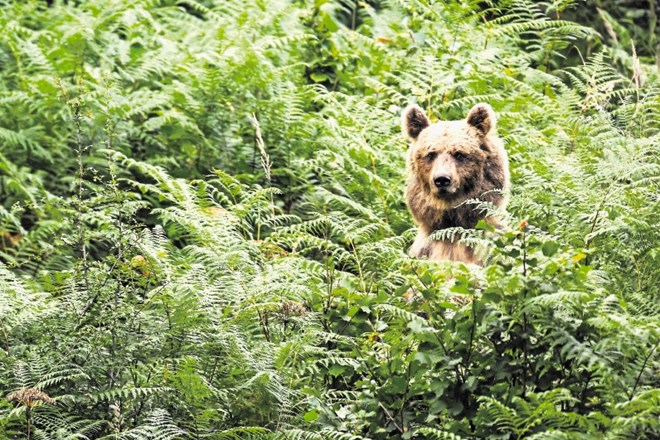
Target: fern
<point>203,230</point>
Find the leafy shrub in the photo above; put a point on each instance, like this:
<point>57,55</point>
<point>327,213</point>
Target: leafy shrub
<point>204,232</point>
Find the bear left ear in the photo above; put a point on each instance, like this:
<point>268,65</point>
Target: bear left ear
<point>482,117</point>
<point>413,121</point>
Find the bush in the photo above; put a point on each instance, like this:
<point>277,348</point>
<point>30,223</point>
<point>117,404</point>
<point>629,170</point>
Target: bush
<point>204,233</point>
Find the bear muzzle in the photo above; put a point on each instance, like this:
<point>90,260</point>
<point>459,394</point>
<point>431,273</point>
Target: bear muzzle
<point>444,185</point>
<point>442,181</point>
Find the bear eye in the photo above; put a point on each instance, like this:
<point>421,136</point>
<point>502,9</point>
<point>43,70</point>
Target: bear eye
<point>459,157</point>
<point>431,155</point>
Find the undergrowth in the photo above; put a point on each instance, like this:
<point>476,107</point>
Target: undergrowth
<point>203,231</point>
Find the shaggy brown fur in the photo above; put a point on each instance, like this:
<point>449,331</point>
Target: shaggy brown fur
<point>449,163</point>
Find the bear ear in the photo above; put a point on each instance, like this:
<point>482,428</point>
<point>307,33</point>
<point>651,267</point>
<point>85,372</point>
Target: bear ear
<point>413,121</point>
<point>482,117</point>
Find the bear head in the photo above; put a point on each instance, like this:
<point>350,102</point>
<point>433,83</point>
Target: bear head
<point>449,159</point>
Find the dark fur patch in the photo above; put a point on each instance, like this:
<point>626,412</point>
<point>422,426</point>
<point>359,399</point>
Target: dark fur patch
<point>494,173</point>
<point>418,195</point>
<point>468,184</point>
<point>465,216</point>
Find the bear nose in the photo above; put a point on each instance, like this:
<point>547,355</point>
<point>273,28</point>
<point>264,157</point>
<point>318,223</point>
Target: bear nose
<point>442,181</point>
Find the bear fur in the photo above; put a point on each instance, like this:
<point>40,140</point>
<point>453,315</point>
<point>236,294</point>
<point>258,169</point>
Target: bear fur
<point>448,163</point>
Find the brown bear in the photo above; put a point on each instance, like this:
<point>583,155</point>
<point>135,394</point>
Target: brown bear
<point>448,164</point>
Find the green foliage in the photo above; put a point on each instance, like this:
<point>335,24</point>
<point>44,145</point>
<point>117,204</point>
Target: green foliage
<point>203,232</point>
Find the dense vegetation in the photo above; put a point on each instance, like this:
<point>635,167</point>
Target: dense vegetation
<point>204,233</point>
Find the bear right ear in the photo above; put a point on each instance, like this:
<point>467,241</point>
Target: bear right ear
<point>482,117</point>
<point>413,121</point>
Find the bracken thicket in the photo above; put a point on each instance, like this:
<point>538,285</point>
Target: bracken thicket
<point>203,233</point>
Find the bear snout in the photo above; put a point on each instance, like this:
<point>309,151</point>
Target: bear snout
<point>443,181</point>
